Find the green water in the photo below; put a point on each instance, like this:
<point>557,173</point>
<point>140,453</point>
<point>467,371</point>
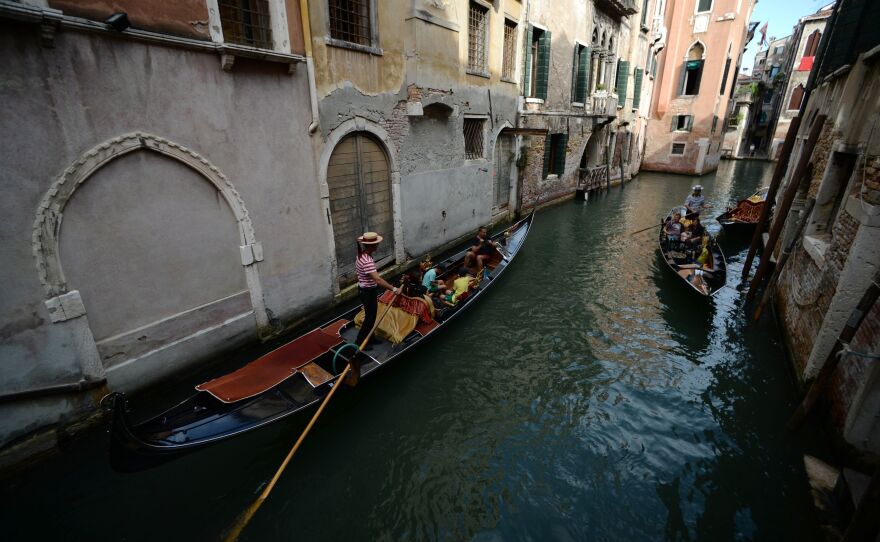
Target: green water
<point>588,396</point>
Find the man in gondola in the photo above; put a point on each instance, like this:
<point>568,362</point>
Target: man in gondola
<point>368,291</point>
<point>695,202</point>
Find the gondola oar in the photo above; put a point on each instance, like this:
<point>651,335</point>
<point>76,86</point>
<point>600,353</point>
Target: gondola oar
<point>646,229</point>
<point>246,516</point>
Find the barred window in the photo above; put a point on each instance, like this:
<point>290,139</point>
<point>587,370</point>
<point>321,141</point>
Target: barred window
<point>509,49</point>
<point>350,21</point>
<point>677,148</point>
<point>478,29</point>
<point>473,138</point>
<point>246,22</point>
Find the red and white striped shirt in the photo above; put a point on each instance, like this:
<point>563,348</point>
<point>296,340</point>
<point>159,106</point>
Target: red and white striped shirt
<point>364,266</point>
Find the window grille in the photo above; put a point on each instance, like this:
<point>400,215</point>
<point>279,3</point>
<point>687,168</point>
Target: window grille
<point>478,18</point>
<point>246,22</point>
<point>473,138</point>
<point>509,49</point>
<point>350,21</point>
<point>678,148</point>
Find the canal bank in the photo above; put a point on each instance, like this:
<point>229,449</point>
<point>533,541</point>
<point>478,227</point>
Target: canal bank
<point>588,396</point>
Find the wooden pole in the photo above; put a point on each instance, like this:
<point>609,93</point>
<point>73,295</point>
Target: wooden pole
<point>778,173</point>
<point>782,212</point>
<point>783,260</point>
<point>849,330</point>
<point>246,516</point>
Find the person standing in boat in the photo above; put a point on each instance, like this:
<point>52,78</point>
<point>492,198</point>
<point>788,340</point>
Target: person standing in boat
<point>696,202</point>
<point>368,282</point>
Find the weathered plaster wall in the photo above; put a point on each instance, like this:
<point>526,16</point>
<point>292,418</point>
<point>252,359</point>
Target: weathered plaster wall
<point>187,18</point>
<point>89,89</point>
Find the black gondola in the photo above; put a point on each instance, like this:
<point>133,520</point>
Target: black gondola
<point>682,257</point>
<point>743,217</point>
<point>309,366</point>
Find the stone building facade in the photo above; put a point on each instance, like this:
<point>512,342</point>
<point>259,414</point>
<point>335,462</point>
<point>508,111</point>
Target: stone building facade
<point>837,254</point>
<point>697,69</point>
<point>159,195</point>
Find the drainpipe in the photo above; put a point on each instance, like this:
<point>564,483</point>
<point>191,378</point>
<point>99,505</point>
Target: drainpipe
<point>310,63</point>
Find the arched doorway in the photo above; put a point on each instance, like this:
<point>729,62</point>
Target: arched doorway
<point>359,183</point>
<point>593,173</point>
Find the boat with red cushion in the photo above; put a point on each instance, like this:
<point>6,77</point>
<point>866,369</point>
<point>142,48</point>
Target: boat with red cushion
<point>743,217</point>
<point>291,378</point>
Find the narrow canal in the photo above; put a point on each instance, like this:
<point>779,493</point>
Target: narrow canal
<point>589,396</point>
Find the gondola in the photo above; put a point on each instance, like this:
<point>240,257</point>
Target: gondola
<point>682,258</point>
<point>287,380</point>
<point>744,216</point>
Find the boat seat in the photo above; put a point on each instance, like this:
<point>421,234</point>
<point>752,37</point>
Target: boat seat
<point>314,374</point>
<point>335,328</point>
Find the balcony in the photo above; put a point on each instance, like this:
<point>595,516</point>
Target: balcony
<point>590,178</point>
<point>617,8</point>
<point>601,103</point>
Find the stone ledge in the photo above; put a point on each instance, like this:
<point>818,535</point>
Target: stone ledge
<point>865,213</point>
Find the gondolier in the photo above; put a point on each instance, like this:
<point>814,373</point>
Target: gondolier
<point>696,201</point>
<point>369,281</point>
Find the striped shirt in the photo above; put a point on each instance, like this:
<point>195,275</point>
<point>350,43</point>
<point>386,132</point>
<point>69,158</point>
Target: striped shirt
<point>364,266</point>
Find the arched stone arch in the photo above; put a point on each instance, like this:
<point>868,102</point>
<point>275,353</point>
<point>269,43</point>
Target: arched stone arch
<point>595,39</point>
<point>697,47</point>
<point>506,193</point>
<point>50,212</point>
<point>360,124</point>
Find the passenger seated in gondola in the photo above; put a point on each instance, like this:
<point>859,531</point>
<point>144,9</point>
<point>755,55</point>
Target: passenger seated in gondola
<point>472,262</point>
<point>430,280</point>
<point>697,231</point>
<point>412,286</point>
<point>485,248</point>
<point>673,229</point>
<point>463,285</point>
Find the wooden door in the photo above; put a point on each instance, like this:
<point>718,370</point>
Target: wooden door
<point>503,168</point>
<point>359,180</point>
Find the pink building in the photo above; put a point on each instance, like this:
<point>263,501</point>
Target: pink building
<point>696,73</point>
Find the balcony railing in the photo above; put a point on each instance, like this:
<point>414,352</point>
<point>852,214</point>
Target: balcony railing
<point>592,177</point>
<point>603,104</point>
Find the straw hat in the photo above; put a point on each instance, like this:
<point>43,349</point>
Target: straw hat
<point>698,188</point>
<point>370,238</point>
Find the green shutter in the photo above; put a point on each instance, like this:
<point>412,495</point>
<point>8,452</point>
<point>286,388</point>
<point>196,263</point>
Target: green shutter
<point>622,80</point>
<point>527,68</point>
<point>574,73</point>
<point>543,74</point>
<point>684,69</point>
<point>547,143</point>
<point>674,122</point>
<point>637,87</point>
<point>583,75</point>
<point>562,146</point>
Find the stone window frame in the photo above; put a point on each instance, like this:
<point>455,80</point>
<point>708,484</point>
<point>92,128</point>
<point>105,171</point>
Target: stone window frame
<point>482,133</point>
<point>672,149</point>
<point>512,57</point>
<point>277,26</point>
<point>372,49</point>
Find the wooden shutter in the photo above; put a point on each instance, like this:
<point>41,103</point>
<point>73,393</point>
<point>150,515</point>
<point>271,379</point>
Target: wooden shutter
<point>543,74</point>
<point>527,67</point>
<point>684,71</point>
<point>583,74</point>
<point>548,141</point>
<point>688,122</point>
<point>622,81</point>
<point>637,87</point>
<point>562,146</point>
<point>575,62</point>
<point>724,77</point>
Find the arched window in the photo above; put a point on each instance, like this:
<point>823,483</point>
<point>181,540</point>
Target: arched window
<point>692,71</point>
<point>595,36</point>
<point>812,43</point>
<point>797,96</point>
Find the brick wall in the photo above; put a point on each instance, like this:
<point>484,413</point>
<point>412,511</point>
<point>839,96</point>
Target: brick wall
<point>853,370</point>
<point>872,181</point>
<point>821,154</point>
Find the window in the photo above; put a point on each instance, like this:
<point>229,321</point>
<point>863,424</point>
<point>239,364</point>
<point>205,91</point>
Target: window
<point>773,71</point>
<point>779,50</point>
<point>692,71</point>
<point>555,147</point>
<point>350,20</point>
<point>768,96</point>
<point>714,123</point>
<point>478,30</point>
<point>537,63</point>
<point>704,5</point>
<point>246,22</point>
<point>580,76</point>
<point>682,123</point>
<point>677,149</point>
<point>812,43</point>
<point>645,13</point>
<point>797,96</point>
<point>509,50</point>
<point>473,138</point>
<point>724,77</point>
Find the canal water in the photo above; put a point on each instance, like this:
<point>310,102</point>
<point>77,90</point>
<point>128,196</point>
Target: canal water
<point>588,396</point>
